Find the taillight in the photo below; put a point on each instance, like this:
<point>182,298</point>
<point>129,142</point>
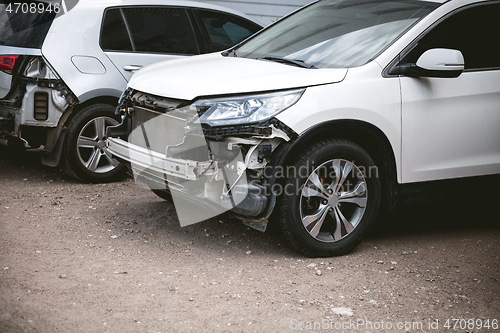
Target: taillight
<point>7,63</point>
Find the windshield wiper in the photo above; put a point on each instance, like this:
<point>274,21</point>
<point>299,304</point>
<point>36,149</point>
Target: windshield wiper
<point>298,63</point>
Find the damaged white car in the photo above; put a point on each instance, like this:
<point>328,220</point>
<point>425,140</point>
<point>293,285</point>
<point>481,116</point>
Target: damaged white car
<point>322,121</point>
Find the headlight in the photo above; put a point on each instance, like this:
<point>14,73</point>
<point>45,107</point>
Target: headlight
<point>246,109</point>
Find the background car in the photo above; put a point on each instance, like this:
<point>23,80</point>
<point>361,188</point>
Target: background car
<point>61,74</point>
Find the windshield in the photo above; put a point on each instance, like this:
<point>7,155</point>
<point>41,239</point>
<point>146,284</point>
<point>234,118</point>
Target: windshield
<point>337,33</point>
<point>24,24</point>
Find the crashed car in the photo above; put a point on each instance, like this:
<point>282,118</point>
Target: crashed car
<point>323,121</point>
<point>64,65</point>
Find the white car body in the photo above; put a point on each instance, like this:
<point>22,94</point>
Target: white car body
<point>365,95</point>
<point>436,128</point>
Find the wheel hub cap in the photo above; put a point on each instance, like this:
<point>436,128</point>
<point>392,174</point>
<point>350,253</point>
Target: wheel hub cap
<point>91,145</point>
<point>333,200</point>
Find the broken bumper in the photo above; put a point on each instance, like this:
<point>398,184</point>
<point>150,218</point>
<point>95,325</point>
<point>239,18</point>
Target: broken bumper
<point>157,163</point>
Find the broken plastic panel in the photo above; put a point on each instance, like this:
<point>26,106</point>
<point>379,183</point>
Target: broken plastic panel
<point>205,178</point>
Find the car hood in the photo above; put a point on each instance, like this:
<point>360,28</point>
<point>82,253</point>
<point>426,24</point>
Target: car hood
<point>214,74</point>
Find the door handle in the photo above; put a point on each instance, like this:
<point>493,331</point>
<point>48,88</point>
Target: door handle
<point>132,68</point>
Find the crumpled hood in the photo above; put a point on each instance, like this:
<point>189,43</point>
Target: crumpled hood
<point>213,74</point>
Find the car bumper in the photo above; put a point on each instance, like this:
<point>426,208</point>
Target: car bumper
<point>157,163</point>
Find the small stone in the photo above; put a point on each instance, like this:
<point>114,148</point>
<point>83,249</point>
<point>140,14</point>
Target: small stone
<point>342,311</point>
<point>311,265</point>
<point>380,262</point>
<point>248,252</point>
<point>114,236</point>
<point>318,272</point>
<point>394,263</point>
<point>63,276</point>
<point>191,299</point>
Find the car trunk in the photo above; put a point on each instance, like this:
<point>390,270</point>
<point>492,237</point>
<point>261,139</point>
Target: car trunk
<point>21,34</point>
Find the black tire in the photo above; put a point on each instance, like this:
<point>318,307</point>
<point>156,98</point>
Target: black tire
<point>324,232</point>
<point>164,194</point>
<point>84,154</point>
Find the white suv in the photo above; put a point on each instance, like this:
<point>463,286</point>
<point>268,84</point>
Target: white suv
<point>325,119</point>
<point>63,66</point>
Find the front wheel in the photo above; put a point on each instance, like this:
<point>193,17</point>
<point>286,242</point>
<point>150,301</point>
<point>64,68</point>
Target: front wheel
<point>164,194</point>
<point>85,155</point>
<point>331,199</point>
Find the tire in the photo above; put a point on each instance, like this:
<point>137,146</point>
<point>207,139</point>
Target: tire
<point>85,155</point>
<point>164,194</point>
<point>322,214</point>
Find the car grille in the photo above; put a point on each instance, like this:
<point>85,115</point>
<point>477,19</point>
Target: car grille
<point>221,132</point>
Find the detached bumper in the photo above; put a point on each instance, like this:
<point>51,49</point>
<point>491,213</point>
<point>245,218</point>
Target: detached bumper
<point>158,163</point>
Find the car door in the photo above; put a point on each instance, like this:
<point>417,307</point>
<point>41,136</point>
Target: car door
<point>134,37</point>
<point>451,126</point>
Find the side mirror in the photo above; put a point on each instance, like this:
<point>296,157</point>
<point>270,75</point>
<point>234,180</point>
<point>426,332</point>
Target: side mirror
<point>444,63</point>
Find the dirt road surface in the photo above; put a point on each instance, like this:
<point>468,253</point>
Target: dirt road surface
<point>112,258</point>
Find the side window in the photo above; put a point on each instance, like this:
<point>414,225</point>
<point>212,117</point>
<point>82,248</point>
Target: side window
<point>114,35</point>
<point>161,29</point>
<point>471,31</point>
<point>225,30</point>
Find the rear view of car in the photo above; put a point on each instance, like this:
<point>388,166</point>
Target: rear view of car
<point>64,64</point>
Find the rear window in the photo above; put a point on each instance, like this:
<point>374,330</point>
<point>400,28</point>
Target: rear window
<point>23,27</point>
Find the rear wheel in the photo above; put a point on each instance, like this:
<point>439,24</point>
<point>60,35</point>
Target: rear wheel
<point>85,155</point>
<point>331,200</point>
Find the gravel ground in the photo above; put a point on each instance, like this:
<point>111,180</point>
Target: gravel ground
<point>112,258</point>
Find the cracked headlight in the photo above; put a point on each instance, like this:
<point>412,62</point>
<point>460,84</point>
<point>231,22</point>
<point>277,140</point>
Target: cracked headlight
<point>245,109</point>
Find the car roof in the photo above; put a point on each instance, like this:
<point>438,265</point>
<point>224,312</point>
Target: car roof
<point>181,3</point>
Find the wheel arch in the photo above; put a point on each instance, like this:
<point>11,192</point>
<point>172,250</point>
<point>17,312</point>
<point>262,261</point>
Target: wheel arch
<point>57,135</point>
<point>367,136</point>
<point>111,100</point>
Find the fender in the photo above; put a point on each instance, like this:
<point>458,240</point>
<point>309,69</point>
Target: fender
<point>57,135</point>
<point>364,134</point>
